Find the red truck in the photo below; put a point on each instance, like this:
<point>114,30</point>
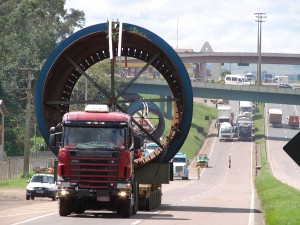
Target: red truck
<point>293,122</point>
<point>95,162</point>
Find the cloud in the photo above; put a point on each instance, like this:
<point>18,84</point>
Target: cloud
<point>227,25</point>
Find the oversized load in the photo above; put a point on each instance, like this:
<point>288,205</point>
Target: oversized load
<point>95,147</point>
<point>275,117</point>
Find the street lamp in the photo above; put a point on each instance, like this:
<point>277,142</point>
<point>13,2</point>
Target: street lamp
<point>260,17</point>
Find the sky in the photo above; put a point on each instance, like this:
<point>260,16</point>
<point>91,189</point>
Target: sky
<point>228,25</point>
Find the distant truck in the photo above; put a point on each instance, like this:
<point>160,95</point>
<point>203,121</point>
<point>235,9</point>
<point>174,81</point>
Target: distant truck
<point>245,109</point>
<point>282,79</point>
<point>224,114</point>
<point>275,117</point>
<point>293,122</point>
<point>226,132</point>
<point>180,166</point>
<point>244,129</point>
<point>202,160</point>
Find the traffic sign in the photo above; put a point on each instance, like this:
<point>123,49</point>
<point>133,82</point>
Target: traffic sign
<point>292,148</point>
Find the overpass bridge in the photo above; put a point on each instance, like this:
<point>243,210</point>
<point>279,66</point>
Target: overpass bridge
<point>200,59</point>
<point>239,57</point>
<point>255,93</point>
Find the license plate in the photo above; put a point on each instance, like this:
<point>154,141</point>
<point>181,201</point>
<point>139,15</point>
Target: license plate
<point>40,192</point>
<point>103,198</point>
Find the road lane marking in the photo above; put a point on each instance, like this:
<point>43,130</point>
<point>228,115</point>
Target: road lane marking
<point>34,218</point>
<point>251,213</point>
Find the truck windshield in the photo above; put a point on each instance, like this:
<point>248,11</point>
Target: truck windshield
<point>226,130</point>
<point>180,160</point>
<point>246,109</point>
<point>94,137</point>
<point>245,129</point>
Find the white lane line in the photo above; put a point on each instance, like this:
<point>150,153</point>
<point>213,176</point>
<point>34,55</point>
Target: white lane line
<point>34,218</point>
<point>251,213</point>
<point>136,222</point>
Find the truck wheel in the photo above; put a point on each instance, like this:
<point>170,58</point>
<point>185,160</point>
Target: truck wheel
<point>32,197</point>
<point>64,208</point>
<point>27,197</point>
<point>136,198</point>
<point>147,205</point>
<point>126,208</point>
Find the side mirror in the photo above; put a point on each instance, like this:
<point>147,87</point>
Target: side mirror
<point>52,140</point>
<point>52,130</point>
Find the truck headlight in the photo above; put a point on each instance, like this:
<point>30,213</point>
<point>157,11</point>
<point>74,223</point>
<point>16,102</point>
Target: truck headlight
<point>122,194</point>
<point>64,192</point>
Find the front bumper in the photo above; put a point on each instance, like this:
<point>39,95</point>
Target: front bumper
<point>41,193</point>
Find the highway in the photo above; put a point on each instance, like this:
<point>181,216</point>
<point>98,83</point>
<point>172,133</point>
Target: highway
<point>222,195</point>
<point>282,166</point>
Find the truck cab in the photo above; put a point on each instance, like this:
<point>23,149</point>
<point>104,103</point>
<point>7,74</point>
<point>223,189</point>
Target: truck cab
<point>244,129</point>
<point>180,166</point>
<point>226,132</point>
<point>95,161</point>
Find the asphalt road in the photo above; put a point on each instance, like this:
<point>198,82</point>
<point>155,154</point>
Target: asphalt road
<point>282,166</point>
<point>222,195</point>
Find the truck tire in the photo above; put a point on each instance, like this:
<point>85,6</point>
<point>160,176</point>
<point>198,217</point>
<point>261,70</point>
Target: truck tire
<point>64,207</point>
<point>136,198</point>
<point>27,197</point>
<point>148,204</point>
<point>126,208</point>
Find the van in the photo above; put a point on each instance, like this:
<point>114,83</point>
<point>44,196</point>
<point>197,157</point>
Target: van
<point>236,79</point>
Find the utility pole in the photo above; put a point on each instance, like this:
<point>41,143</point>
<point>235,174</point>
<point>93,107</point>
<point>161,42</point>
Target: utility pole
<point>260,17</point>
<point>27,119</point>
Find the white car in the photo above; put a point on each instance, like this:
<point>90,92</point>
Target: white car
<point>41,185</point>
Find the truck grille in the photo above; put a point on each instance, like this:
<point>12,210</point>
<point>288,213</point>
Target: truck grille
<point>94,169</point>
<point>178,169</point>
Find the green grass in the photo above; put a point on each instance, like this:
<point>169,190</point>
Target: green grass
<point>195,140</point>
<point>14,183</point>
<point>280,203</point>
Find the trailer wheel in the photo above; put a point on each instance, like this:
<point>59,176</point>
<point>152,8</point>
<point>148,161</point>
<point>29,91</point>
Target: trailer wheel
<point>148,203</point>
<point>64,207</point>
